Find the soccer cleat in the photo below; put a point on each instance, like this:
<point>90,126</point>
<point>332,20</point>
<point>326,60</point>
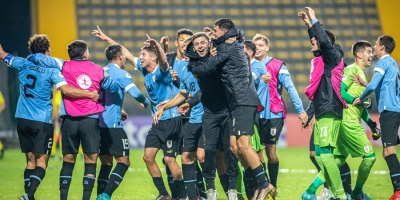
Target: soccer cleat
<point>163,197</point>
<point>306,196</point>
<point>267,193</point>
<point>24,197</point>
<point>395,196</point>
<point>103,196</point>
<point>212,194</point>
<point>232,194</point>
<point>325,194</point>
<point>361,196</point>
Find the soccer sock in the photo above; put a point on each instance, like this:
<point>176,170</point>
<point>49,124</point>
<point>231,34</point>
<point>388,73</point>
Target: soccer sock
<point>345,175</point>
<point>65,179</point>
<point>88,180</point>
<point>27,176</point>
<point>189,175</point>
<point>363,172</point>
<point>180,188</point>
<point>35,179</point>
<point>224,179</point>
<point>273,169</point>
<point>171,182</point>
<point>200,182</point>
<point>158,182</point>
<point>394,168</point>
<point>232,182</point>
<point>332,170</point>
<point>102,179</point>
<point>249,183</point>
<point>314,185</point>
<point>259,176</point>
<point>116,178</point>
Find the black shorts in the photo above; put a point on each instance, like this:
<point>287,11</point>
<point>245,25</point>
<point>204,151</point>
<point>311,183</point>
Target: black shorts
<point>80,130</point>
<point>389,122</point>
<point>243,120</point>
<point>217,128</point>
<point>270,130</point>
<point>165,135</point>
<point>35,136</point>
<point>114,142</point>
<point>191,137</point>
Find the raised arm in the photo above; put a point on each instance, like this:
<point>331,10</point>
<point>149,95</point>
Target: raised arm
<point>162,58</point>
<point>129,56</point>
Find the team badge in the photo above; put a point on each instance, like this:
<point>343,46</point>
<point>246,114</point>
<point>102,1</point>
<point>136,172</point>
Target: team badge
<point>344,77</point>
<point>128,75</point>
<point>84,81</point>
<point>169,143</point>
<point>60,75</point>
<point>367,149</point>
<point>273,131</point>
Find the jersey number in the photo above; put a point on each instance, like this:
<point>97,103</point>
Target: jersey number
<point>323,131</point>
<point>125,143</point>
<point>192,86</point>
<point>30,86</point>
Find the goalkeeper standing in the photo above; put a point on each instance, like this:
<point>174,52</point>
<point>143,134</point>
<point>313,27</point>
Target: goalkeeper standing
<point>352,138</point>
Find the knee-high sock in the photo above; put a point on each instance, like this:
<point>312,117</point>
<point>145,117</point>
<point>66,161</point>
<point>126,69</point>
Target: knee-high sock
<point>345,175</point>
<point>200,182</point>
<point>65,179</point>
<point>35,179</point>
<point>102,179</point>
<point>273,169</point>
<point>363,172</point>
<point>116,178</point>
<point>27,176</point>
<point>88,180</point>
<point>190,179</point>
<point>394,168</point>
<point>332,172</point>
<point>159,183</point>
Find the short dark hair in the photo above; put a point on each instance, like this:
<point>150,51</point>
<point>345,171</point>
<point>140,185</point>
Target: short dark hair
<point>183,31</point>
<point>359,46</point>
<point>149,49</point>
<point>388,42</point>
<point>38,43</point>
<point>331,37</point>
<point>224,23</point>
<point>248,44</point>
<point>112,51</point>
<point>77,49</point>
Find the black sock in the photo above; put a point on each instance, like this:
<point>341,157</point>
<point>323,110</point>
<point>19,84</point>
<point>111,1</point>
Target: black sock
<point>189,175</point>
<point>35,179</point>
<point>249,183</point>
<point>27,176</point>
<point>232,182</point>
<point>102,179</point>
<point>273,169</point>
<point>116,178</point>
<point>159,183</point>
<point>312,158</point>
<point>259,176</point>
<point>224,179</point>
<point>88,180</point>
<point>65,179</point>
<point>394,168</point>
<point>346,177</point>
<point>171,182</point>
<point>180,188</point>
<point>200,182</point>
<point>264,166</point>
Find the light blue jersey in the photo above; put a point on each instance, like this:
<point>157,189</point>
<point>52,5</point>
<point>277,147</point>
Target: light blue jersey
<point>111,117</point>
<point>180,66</point>
<point>285,81</point>
<point>189,85</point>
<point>159,88</point>
<point>386,85</point>
<point>36,88</point>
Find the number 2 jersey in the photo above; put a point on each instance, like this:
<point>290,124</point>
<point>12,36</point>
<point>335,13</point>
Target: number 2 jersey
<point>36,86</point>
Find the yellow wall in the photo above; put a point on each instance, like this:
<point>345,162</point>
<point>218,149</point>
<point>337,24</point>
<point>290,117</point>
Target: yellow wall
<point>389,15</point>
<point>56,19</point>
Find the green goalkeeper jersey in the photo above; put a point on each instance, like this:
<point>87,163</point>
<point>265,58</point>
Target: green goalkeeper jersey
<point>353,113</point>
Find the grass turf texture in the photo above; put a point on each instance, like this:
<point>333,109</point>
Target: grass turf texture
<point>296,174</point>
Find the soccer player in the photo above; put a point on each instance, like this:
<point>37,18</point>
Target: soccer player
<point>324,90</point>
<point>81,117</point>
<point>352,139</point>
<point>385,83</point>
<point>114,141</point>
<point>37,74</point>
<point>271,119</point>
<point>192,131</point>
<point>241,95</point>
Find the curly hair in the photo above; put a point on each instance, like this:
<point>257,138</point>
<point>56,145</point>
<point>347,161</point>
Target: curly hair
<point>38,43</point>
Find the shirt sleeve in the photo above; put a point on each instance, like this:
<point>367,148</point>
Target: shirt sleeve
<point>376,79</point>
<point>257,71</point>
<point>57,78</point>
<point>286,81</point>
<point>109,84</point>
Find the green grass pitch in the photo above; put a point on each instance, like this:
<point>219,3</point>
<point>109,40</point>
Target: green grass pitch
<point>296,174</point>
